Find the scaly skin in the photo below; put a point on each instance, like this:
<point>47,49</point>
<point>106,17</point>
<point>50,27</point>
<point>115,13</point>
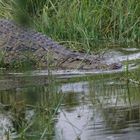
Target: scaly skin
<point>21,43</point>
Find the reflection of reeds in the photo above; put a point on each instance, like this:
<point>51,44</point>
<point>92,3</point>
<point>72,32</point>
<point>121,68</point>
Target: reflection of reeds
<point>117,100</point>
<point>47,108</point>
<point>42,100</point>
<point>118,118</point>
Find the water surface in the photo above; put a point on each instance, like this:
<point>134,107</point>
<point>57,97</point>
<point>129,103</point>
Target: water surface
<point>73,104</point>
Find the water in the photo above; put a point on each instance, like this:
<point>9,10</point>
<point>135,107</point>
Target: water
<point>100,111</point>
<point>72,105</point>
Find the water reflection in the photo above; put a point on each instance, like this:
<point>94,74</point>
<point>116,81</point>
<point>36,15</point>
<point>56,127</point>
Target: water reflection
<point>104,111</point>
<point>105,108</point>
<point>28,107</point>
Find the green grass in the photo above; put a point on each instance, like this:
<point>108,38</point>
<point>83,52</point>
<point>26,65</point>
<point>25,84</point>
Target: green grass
<point>79,24</point>
<point>2,59</point>
<point>20,65</point>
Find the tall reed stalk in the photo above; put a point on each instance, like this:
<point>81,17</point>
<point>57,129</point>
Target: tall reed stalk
<point>82,23</point>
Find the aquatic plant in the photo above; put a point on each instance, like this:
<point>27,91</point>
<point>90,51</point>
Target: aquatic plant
<point>32,106</point>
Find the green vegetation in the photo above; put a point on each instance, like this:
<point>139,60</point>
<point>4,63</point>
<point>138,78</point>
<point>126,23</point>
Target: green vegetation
<point>1,59</point>
<point>20,65</point>
<point>79,24</point>
<point>33,108</point>
<point>33,101</point>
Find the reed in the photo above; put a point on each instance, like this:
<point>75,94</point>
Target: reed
<point>81,24</point>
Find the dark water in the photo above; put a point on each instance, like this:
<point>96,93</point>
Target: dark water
<point>70,105</point>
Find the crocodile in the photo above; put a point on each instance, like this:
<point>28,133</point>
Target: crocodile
<point>22,43</point>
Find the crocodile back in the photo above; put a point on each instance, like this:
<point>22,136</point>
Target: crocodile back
<point>13,32</point>
<point>16,39</point>
<point>20,43</point>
